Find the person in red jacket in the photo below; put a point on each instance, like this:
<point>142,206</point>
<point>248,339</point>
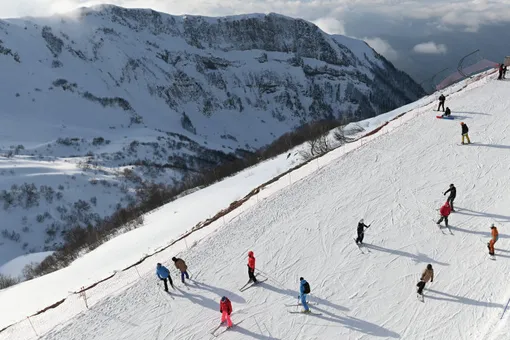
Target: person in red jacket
<point>226,310</point>
<point>444,211</point>
<point>251,267</point>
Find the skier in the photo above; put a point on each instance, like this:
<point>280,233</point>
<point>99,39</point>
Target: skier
<point>444,211</point>
<point>251,267</point>
<point>447,113</point>
<point>183,268</point>
<point>465,131</point>
<point>451,197</point>
<point>442,98</point>
<point>494,239</point>
<point>164,274</point>
<point>428,274</point>
<point>304,289</point>
<point>501,67</point>
<point>361,231</point>
<point>226,310</point>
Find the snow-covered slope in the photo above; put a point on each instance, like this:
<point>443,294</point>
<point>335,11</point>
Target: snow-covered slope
<point>395,181</point>
<point>92,95</point>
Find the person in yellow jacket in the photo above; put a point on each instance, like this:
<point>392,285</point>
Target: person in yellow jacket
<point>494,239</point>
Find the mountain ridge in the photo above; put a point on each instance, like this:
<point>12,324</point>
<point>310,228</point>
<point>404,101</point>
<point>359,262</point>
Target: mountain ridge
<point>115,96</point>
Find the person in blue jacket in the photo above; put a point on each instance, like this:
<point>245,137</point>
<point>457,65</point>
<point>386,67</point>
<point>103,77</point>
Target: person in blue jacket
<point>164,274</point>
<point>304,289</point>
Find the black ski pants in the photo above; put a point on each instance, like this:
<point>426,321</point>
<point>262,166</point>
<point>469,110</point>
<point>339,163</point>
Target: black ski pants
<point>166,285</point>
<point>450,201</point>
<point>445,219</point>
<point>251,274</point>
<point>360,238</point>
<point>420,286</point>
<point>441,105</point>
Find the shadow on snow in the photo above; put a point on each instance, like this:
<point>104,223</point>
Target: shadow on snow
<point>502,218</point>
<point>461,299</point>
<point>419,258</point>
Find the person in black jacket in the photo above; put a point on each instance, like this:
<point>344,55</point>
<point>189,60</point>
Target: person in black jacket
<point>447,113</point>
<point>451,197</point>
<point>361,231</point>
<point>442,98</point>
<point>465,131</point>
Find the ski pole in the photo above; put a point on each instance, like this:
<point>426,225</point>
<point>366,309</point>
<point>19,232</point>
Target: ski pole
<point>505,309</point>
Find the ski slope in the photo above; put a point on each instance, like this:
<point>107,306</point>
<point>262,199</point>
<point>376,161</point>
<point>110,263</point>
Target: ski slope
<point>306,229</point>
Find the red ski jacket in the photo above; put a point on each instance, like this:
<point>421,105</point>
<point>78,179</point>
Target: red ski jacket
<point>251,262</point>
<point>226,306</point>
<point>445,210</point>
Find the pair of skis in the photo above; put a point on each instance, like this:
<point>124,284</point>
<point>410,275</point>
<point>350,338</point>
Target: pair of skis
<point>248,285</point>
<point>217,334</point>
<point>302,312</point>
<point>359,247</point>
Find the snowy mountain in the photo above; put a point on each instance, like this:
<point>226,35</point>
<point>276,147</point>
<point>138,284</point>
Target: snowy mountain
<point>303,225</point>
<point>97,101</point>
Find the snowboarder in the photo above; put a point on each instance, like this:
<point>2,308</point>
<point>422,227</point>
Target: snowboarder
<point>447,113</point>
<point>442,98</point>
<point>164,274</point>
<point>183,268</point>
<point>304,289</point>
<point>451,197</point>
<point>251,267</point>
<point>465,131</point>
<point>428,274</point>
<point>226,310</point>
<point>494,239</point>
<point>501,67</point>
<point>444,211</point>
<point>361,231</point>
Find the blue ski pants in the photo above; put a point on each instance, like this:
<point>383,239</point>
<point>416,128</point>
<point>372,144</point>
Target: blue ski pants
<point>303,301</point>
<point>184,274</point>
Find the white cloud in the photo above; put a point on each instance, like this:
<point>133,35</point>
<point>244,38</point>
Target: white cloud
<point>382,47</point>
<point>330,25</point>
<point>430,48</point>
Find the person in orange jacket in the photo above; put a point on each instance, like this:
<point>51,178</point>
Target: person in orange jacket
<point>251,267</point>
<point>494,239</point>
<point>226,310</point>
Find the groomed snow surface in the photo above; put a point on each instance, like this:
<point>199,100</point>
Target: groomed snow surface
<point>395,180</point>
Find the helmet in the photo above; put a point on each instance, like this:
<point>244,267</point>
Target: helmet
<point>159,264</point>
<point>174,259</point>
<point>250,253</point>
<point>493,226</point>
<point>362,221</point>
<point>301,279</point>
<point>451,185</point>
<point>429,266</point>
<point>224,298</point>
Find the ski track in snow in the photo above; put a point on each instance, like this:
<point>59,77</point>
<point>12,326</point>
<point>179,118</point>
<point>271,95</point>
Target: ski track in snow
<point>396,182</point>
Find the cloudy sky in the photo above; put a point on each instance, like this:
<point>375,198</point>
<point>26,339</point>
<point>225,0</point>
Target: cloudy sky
<point>331,15</point>
<point>401,30</point>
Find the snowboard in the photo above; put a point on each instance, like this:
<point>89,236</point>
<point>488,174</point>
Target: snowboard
<point>448,117</point>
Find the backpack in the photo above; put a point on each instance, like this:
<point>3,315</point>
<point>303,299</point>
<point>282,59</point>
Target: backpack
<point>306,288</point>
